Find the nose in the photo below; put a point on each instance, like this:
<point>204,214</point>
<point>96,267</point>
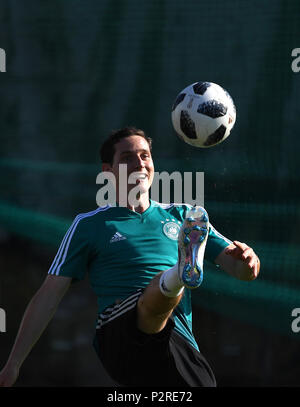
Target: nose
<point>138,162</point>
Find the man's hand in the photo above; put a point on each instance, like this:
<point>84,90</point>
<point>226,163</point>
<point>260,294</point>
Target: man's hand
<point>248,266</point>
<point>37,315</point>
<point>8,376</point>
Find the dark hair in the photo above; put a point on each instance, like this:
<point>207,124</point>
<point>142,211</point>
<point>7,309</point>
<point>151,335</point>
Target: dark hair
<point>107,150</point>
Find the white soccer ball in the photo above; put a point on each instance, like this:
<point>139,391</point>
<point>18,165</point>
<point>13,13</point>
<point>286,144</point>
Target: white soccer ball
<point>203,114</point>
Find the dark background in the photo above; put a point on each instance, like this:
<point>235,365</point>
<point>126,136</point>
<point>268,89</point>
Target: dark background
<point>77,69</point>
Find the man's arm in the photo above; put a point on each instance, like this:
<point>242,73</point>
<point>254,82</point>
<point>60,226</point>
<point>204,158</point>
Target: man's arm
<point>240,261</point>
<point>38,314</point>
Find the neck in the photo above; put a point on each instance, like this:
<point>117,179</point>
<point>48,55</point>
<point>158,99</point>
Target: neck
<point>142,204</point>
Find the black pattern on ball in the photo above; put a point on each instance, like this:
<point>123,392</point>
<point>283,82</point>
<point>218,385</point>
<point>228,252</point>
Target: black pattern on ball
<point>201,87</point>
<point>187,125</point>
<point>215,137</point>
<point>178,100</point>
<point>212,108</point>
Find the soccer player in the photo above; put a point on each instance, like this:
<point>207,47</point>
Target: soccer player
<point>143,260</point>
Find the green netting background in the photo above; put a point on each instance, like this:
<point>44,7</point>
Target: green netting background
<point>77,69</point>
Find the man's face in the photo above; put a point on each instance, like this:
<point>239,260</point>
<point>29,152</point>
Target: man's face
<point>135,153</point>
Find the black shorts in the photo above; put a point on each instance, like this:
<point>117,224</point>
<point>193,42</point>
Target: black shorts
<point>134,358</point>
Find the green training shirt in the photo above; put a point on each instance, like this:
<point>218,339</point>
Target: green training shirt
<point>122,251</point>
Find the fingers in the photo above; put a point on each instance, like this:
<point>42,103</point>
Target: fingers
<point>252,261</point>
<point>240,245</point>
<point>230,249</point>
<point>246,254</point>
<point>236,247</point>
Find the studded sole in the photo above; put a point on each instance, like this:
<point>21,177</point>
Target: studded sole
<point>191,246</point>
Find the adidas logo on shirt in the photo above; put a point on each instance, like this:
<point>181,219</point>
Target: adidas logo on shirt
<point>117,237</point>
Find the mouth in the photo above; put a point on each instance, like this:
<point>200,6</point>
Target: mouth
<point>141,176</point>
